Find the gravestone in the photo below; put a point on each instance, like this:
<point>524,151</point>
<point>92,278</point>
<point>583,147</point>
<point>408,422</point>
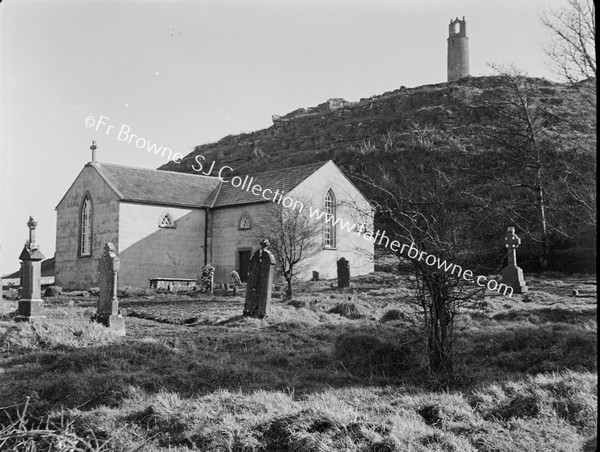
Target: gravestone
<point>512,275</point>
<point>107,311</point>
<point>207,278</point>
<point>30,303</point>
<point>235,277</point>
<point>343,273</point>
<point>260,282</point>
<point>315,276</point>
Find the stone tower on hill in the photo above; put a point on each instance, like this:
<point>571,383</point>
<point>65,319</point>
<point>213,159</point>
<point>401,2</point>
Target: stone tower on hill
<point>458,50</point>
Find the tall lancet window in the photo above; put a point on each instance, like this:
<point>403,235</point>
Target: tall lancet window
<point>329,231</point>
<point>85,243</point>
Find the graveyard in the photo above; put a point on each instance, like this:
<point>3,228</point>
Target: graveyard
<point>409,270</point>
<point>332,369</point>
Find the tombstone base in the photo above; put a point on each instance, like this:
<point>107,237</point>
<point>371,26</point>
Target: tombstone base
<point>512,276</point>
<point>114,322</point>
<point>29,308</point>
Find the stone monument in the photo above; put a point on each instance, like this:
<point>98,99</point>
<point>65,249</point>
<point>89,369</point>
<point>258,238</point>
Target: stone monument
<point>458,50</point>
<point>207,278</point>
<point>235,278</point>
<point>512,275</point>
<point>343,273</point>
<point>30,303</point>
<point>260,282</point>
<point>107,312</point>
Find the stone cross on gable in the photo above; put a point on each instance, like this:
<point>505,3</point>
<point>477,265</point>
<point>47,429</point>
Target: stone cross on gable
<point>511,242</point>
<point>93,147</point>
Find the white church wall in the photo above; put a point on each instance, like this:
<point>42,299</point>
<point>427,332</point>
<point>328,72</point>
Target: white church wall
<point>76,272</point>
<point>351,207</point>
<point>149,251</point>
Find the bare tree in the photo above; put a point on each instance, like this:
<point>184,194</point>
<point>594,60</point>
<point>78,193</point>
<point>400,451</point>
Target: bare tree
<point>572,50</point>
<point>435,213</point>
<point>521,132</point>
<point>293,236</point>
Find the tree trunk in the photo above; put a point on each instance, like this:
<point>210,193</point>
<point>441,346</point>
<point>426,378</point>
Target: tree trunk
<point>545,252</point>
<point>440,334</point>
<point>289,291</point>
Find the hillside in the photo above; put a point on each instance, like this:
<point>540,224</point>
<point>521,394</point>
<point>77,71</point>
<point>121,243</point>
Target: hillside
<point>459,111</point>
<point>470,130</point>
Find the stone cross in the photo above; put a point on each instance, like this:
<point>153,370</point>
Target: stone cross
<point>30,303</point>
<point>207,278</point>
<point>512,275</point>
<point>343,273</point>
<point>32,224</point>
<point>107,311</point>
<point>93,147</point>
<point>511,242</point>
<point>260,282</point>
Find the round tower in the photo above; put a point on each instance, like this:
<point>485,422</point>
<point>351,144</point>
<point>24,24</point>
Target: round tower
<point>458,50</point>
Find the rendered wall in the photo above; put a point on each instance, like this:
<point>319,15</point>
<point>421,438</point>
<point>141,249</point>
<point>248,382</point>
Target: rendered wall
<point>351,207</point>
<point>227,239</point>
<point>148,251</point>
<point>72,271</point>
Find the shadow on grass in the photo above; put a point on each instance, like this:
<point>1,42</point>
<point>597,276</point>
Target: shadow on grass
<point>528,349</point>
<point>563,314</point>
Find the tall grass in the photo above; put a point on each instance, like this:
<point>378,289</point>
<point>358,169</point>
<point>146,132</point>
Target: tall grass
<point>304,379</point>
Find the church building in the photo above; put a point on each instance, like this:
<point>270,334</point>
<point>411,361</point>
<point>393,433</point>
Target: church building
<point>168,224</point>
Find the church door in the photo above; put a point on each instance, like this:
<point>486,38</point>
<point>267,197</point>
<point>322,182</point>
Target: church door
<point>244,260</point>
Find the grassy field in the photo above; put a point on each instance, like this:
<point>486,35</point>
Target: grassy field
<point>329,371</point>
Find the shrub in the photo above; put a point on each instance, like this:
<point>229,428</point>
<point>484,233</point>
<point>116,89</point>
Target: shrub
<point>10,294</point>
<point>575,260</point>
<point>53,291</point>
<point>392,315</point>
<point>307,304</point>
<point>129,292</point>
<point>366,356</point>
<point>349,310</point>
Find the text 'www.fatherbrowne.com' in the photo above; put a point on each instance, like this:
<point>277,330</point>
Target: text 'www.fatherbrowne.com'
<point>246,183</point>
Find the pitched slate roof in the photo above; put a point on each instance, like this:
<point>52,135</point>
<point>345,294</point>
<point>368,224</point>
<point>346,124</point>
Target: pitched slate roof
<point>284,179</point>
<point>191,190</point>
<point>156,186</point>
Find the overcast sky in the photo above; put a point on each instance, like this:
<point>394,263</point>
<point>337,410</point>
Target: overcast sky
<point>183,73</point>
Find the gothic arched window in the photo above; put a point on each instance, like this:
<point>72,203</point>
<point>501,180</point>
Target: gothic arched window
<point>85,226</point>
<point>166,221</point>
<point>245,222</point>
<point>329,230</point>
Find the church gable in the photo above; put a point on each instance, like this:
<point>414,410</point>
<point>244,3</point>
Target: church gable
<point>87,217</point>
